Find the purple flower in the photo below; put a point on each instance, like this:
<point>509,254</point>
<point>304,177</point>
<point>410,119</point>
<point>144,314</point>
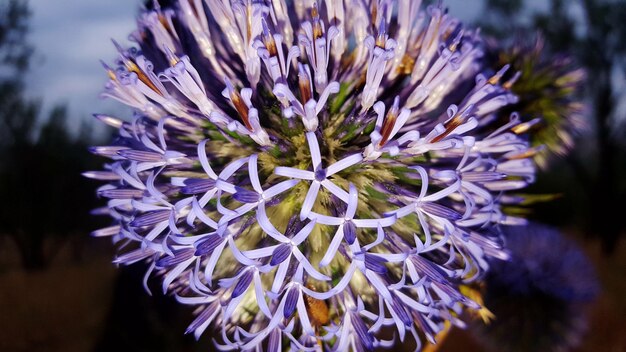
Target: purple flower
<point>547,284</point>
<point>307,173</point>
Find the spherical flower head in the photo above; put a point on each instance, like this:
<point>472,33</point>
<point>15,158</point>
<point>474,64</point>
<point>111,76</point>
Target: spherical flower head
<point>549,89</point>
<point>539,299</point>
<point>309,173</point>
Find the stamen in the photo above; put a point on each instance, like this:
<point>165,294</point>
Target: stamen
<point>529,153</point>
<point>172,58</point>
<point>317,43</point>
<point>336,17</point>
<point>164,22</point>
<point>381,39</point>
<point>131,66</point>
<point>455,43</point>
<point>509,84</point>
<point>387,126</point>
<point>524,127</point>
<point>238,104</point>
<point>452,124</point>
<point>193,7</point>
<point>374,11</point>
<point>268,40</point>
<point>389,122</point>
<point>249,17</point>
<point>495,79</point>
<point>381,50</point>
<point>304,82</point>
<point>318,32</point>
<point>109,70</point>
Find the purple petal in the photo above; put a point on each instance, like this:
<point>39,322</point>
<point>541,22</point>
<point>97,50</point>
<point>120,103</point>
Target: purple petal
<point>101,175</point>
<point>349,232</point>
<point>280,254</point>
<point>107,231</point>
<point>243,284</point>
<point>441,211</point>
<point>325,219</point>
<point>332,248</point>
<point>428,268</point>
<point>427,326</point>
<point>336,190</point>
<point>161,133</point>
<point>294,173</point>
<point>303,233</point>
<point>267,225</point>
<point>151,218</point>
<point>178,257</point>
<point>410,303</point>
<point>398,307</point>
<point>344,163</point>
<point>375,263</point>
<point>279,277</point>
<point>314,147</point>
<point>197,185</point>
<point>290,302</point>
<point>364,336</point>
<point>245,196</point>
<point>352,201</point>
<point>259,293</point>
<point>279,188</point>
<point>263,252</point>
<point>140,155</point>
<point>309,200</point>
<point>253,173</point>
<point>204,161</point>
<point>482,176</point>
<point>199,212</point>
<point>107,151</point>
<point>109,120</point>
<point>133,256</point>
<point>132,180</point>
<point>506,185</point>
<point>121,193</point>
<point>204,318</point>
<point>308,267</point>
<point>274,343</point>
<point>231,168</point>
<point>449,294</point>
<point>207,245</point>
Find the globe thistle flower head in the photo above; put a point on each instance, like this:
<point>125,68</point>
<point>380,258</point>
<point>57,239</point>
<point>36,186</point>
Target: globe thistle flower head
<point>538,299</point>
<point>309,173</point>
<point>548,87</point>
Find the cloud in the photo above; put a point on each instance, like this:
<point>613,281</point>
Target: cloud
<point>70,36</point>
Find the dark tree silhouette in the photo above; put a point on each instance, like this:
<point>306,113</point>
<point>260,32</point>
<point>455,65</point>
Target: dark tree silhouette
<point>45,199</point>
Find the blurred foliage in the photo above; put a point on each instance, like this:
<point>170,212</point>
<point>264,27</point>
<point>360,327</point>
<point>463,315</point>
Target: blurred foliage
<point>592,178</point>
<point>14,51</point>
<point>44,196</point>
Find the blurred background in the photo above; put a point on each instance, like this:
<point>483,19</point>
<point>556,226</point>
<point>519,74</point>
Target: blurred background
<point>60,292</point>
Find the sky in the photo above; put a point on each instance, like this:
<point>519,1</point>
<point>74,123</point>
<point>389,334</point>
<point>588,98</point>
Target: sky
<point>71,36</point>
